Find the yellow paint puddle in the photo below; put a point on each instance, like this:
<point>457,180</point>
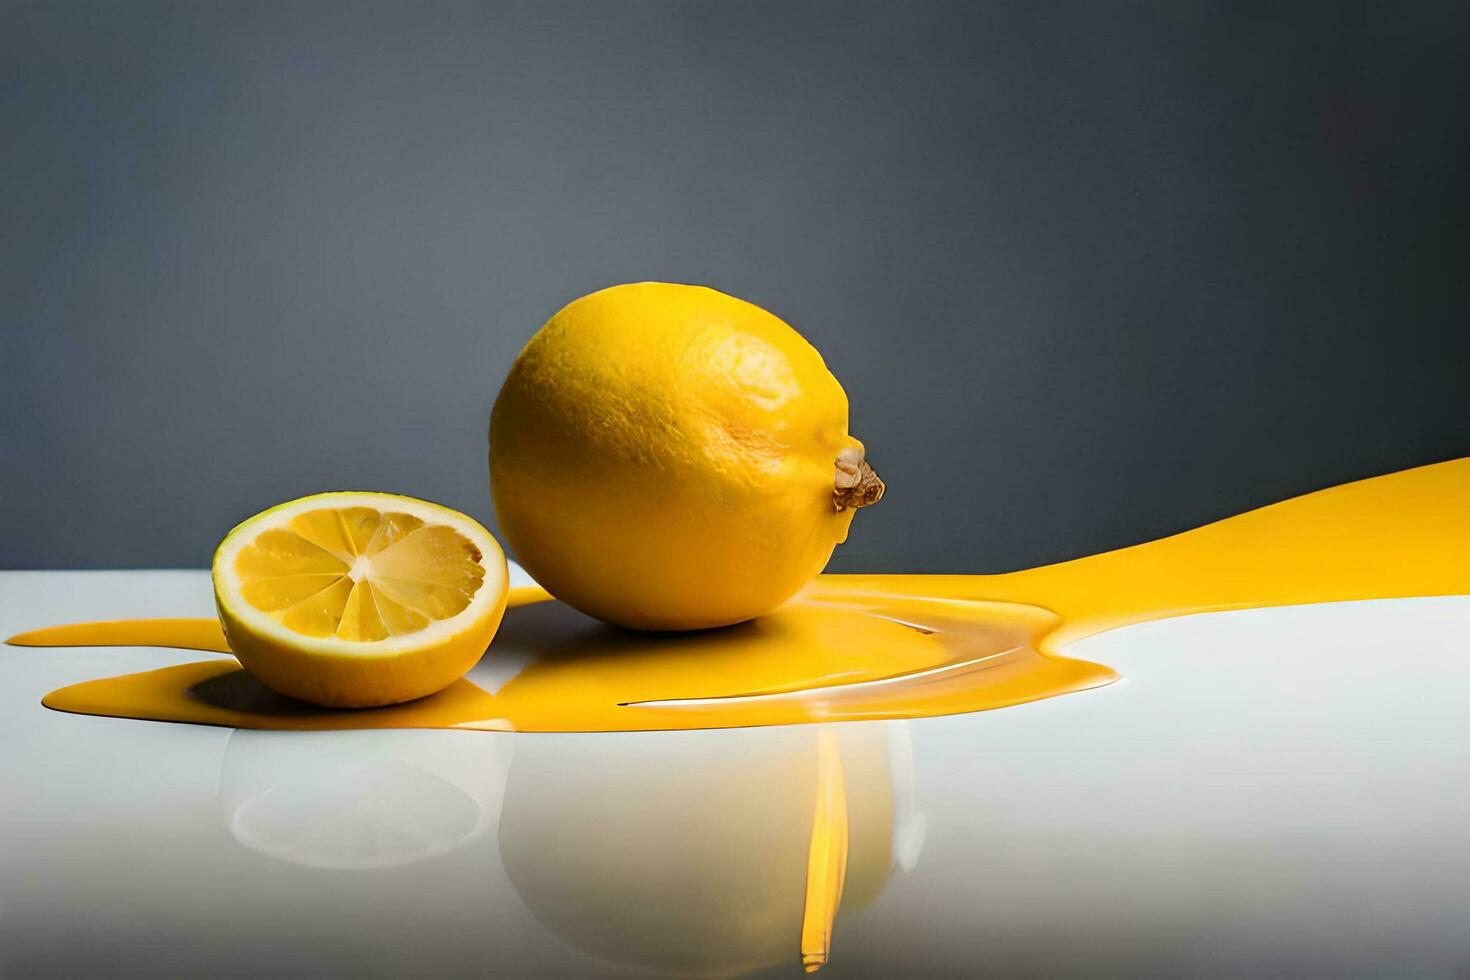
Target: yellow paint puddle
<point>855,646</point>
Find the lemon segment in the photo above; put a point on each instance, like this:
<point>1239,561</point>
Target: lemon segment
<point>355,599</point>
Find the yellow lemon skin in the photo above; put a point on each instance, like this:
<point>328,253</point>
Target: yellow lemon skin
<point>663,457</point>
<point>357,681</point>
<point>323,668</point>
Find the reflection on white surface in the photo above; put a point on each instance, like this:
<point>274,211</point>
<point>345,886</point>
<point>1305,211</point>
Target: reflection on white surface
<point>909,824</point>
<point>1278,792</point>
<point>686,853</point>
<point>361,799</point>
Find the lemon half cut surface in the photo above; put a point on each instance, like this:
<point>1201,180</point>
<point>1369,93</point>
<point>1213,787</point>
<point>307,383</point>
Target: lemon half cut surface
<point>355,599</point>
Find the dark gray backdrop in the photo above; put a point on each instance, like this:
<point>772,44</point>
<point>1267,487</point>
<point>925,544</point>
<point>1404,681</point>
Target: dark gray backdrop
<point>1091,273</point>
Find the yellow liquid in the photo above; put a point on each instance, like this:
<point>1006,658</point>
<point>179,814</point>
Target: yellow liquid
<point>857,646</point>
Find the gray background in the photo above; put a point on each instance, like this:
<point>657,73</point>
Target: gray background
<point>1090,273</point>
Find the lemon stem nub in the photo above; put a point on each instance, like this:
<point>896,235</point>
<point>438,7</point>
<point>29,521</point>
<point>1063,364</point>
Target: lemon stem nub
<point>856,485</point>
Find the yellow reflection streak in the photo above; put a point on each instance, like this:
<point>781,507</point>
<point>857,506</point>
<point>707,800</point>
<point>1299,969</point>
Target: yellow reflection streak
<point>826,868</point>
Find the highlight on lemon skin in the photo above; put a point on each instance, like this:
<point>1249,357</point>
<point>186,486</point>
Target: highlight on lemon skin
<point>359,599</point>
<point>667,457</point>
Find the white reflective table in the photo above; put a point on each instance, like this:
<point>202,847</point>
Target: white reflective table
<point>1269,792</point>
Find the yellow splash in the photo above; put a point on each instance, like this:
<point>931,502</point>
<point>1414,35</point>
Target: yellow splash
<point>857,646</point>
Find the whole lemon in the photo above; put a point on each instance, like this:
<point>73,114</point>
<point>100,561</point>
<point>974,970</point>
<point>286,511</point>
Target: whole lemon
<point>668,457</point>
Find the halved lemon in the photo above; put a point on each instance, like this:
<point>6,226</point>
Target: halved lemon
<point>356,599</point>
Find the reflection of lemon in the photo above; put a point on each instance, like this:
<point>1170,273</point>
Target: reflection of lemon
<point>669,457</point>
<point>357,599</point>
<point>361,799</point>
<point>689,855</point>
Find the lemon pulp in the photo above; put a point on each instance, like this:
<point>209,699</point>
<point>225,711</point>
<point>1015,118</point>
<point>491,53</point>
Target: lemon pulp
<point>359,574</point>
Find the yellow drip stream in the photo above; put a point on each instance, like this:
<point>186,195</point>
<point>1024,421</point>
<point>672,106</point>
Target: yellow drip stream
<point>855,646</point>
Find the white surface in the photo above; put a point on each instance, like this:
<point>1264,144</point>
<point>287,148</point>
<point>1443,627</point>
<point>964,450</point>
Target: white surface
<point>1269,792</point>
